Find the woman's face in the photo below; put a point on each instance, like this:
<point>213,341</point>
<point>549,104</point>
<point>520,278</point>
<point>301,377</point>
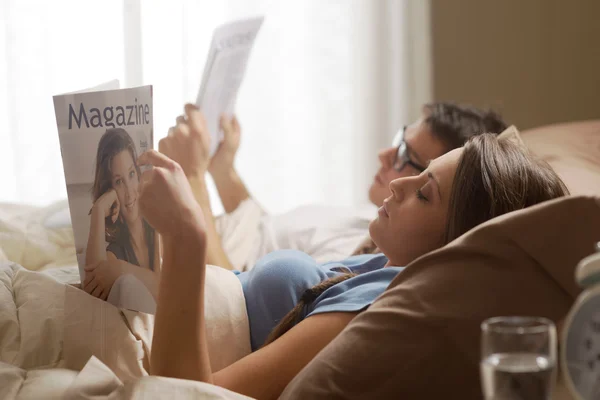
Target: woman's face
<point>413,219</point>
<point>125,182</point>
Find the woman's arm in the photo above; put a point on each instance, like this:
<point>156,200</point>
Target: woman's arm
<point>180,308</point>
<point>147,277</point>
<point>180,311</point>
<point>96,245</point>
<point>105,206</point>
<point>101,276</point>
<point>265,373</point>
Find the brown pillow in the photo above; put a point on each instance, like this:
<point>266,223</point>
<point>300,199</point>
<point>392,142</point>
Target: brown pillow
<point>421,338</point>
<point>573,150</point>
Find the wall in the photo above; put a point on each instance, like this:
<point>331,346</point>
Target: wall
<point>536,61</point>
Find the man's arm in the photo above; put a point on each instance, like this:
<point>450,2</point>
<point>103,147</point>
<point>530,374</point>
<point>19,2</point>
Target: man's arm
<point>230,186</point>
<point>188,144</point>
<point>215,254</point>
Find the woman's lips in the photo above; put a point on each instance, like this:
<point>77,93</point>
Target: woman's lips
<point>130,205</point>
<point>383,212</point>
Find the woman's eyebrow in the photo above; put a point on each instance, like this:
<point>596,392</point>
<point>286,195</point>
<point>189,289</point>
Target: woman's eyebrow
<point>432,177</point>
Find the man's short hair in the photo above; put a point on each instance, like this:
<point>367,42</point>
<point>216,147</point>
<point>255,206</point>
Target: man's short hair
<point>454,124</point>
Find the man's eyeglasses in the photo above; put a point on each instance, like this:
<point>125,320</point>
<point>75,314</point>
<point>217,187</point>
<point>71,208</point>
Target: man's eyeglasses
<point>402,158</point>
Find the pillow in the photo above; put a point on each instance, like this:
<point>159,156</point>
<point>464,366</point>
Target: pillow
<point>511,133</point>
<point>421,337</point>
<point>59,216</point>
<point>26,239</point>
<point>573,151</point>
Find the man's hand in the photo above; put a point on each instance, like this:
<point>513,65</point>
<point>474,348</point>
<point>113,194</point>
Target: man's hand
<point>166,199</point>
<point>188,142</point>
<point>224,157</point>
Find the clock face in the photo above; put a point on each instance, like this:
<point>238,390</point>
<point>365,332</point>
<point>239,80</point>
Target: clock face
<point>582,348</point>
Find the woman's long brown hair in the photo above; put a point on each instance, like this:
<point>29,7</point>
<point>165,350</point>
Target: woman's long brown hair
<point>112,142</point>
<point>493,177</point>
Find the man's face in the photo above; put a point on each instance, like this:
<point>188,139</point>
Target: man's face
<point>422,147</point>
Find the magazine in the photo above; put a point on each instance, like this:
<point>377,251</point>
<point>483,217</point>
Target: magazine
<point>224,71</point>
<point>102,133</point>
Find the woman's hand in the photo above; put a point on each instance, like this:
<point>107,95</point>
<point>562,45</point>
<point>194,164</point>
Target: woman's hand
<point>100,277</point>
<point>188,142</point>
<point>167,201</point>
<point>108,205</point>
<point>224,157</point>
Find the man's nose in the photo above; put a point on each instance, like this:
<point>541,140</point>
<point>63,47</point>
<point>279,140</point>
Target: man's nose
<point>386,157</point>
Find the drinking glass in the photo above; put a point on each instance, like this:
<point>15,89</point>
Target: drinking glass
<point>518,358</point>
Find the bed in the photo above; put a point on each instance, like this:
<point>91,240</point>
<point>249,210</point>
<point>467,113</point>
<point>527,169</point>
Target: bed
<point>58,342</point>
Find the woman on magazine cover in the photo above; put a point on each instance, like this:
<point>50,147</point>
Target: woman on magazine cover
<point>116,219</point>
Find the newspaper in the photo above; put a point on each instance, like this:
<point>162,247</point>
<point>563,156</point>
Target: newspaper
<point>224,71</point>
<point>101,134</point>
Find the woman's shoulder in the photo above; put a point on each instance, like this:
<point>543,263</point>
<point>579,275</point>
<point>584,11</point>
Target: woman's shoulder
<point>358,264</point>
<point>356,293</point>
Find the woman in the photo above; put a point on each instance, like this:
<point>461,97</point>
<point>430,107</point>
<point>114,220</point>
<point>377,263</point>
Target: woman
<point>457,191</point>
<point>116,219</point>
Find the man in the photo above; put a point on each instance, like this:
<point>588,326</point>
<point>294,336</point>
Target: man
<point>326,232</point>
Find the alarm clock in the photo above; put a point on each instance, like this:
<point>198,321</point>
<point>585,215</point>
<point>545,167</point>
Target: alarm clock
<point>580,343</point>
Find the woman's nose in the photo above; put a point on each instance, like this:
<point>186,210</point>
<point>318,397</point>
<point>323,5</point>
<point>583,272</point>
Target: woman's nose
<point>407,184</point>
<point>129,188</point>
<point>397,187</point>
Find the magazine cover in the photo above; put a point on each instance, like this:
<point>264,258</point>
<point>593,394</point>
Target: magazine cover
<point>102,133</point>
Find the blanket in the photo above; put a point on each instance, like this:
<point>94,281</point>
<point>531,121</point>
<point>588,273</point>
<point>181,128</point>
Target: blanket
<point>96,381</point>
<point>46,324</point>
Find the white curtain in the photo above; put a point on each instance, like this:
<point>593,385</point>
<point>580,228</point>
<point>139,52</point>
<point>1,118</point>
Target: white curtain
<point>327,84</point>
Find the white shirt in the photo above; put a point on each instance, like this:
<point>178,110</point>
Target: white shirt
<point>327,233</point>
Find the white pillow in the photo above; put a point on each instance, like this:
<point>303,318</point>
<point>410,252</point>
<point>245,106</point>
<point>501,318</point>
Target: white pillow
<point>59,219</point>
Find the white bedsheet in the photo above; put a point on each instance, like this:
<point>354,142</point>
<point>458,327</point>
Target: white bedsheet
<point>96,381</point>
<point>47,325</point>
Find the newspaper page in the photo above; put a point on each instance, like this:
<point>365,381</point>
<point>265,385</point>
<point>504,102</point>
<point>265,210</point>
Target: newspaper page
<point>224,71</point>
<point>101,134</point>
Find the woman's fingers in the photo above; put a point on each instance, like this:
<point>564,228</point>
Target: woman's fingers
<point>116,210</point>
<point>180,119</point>
<point>96,292</point>
<point>91,286</point>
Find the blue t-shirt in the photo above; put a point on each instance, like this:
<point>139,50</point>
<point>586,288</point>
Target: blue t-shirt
<point>278,280</point>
